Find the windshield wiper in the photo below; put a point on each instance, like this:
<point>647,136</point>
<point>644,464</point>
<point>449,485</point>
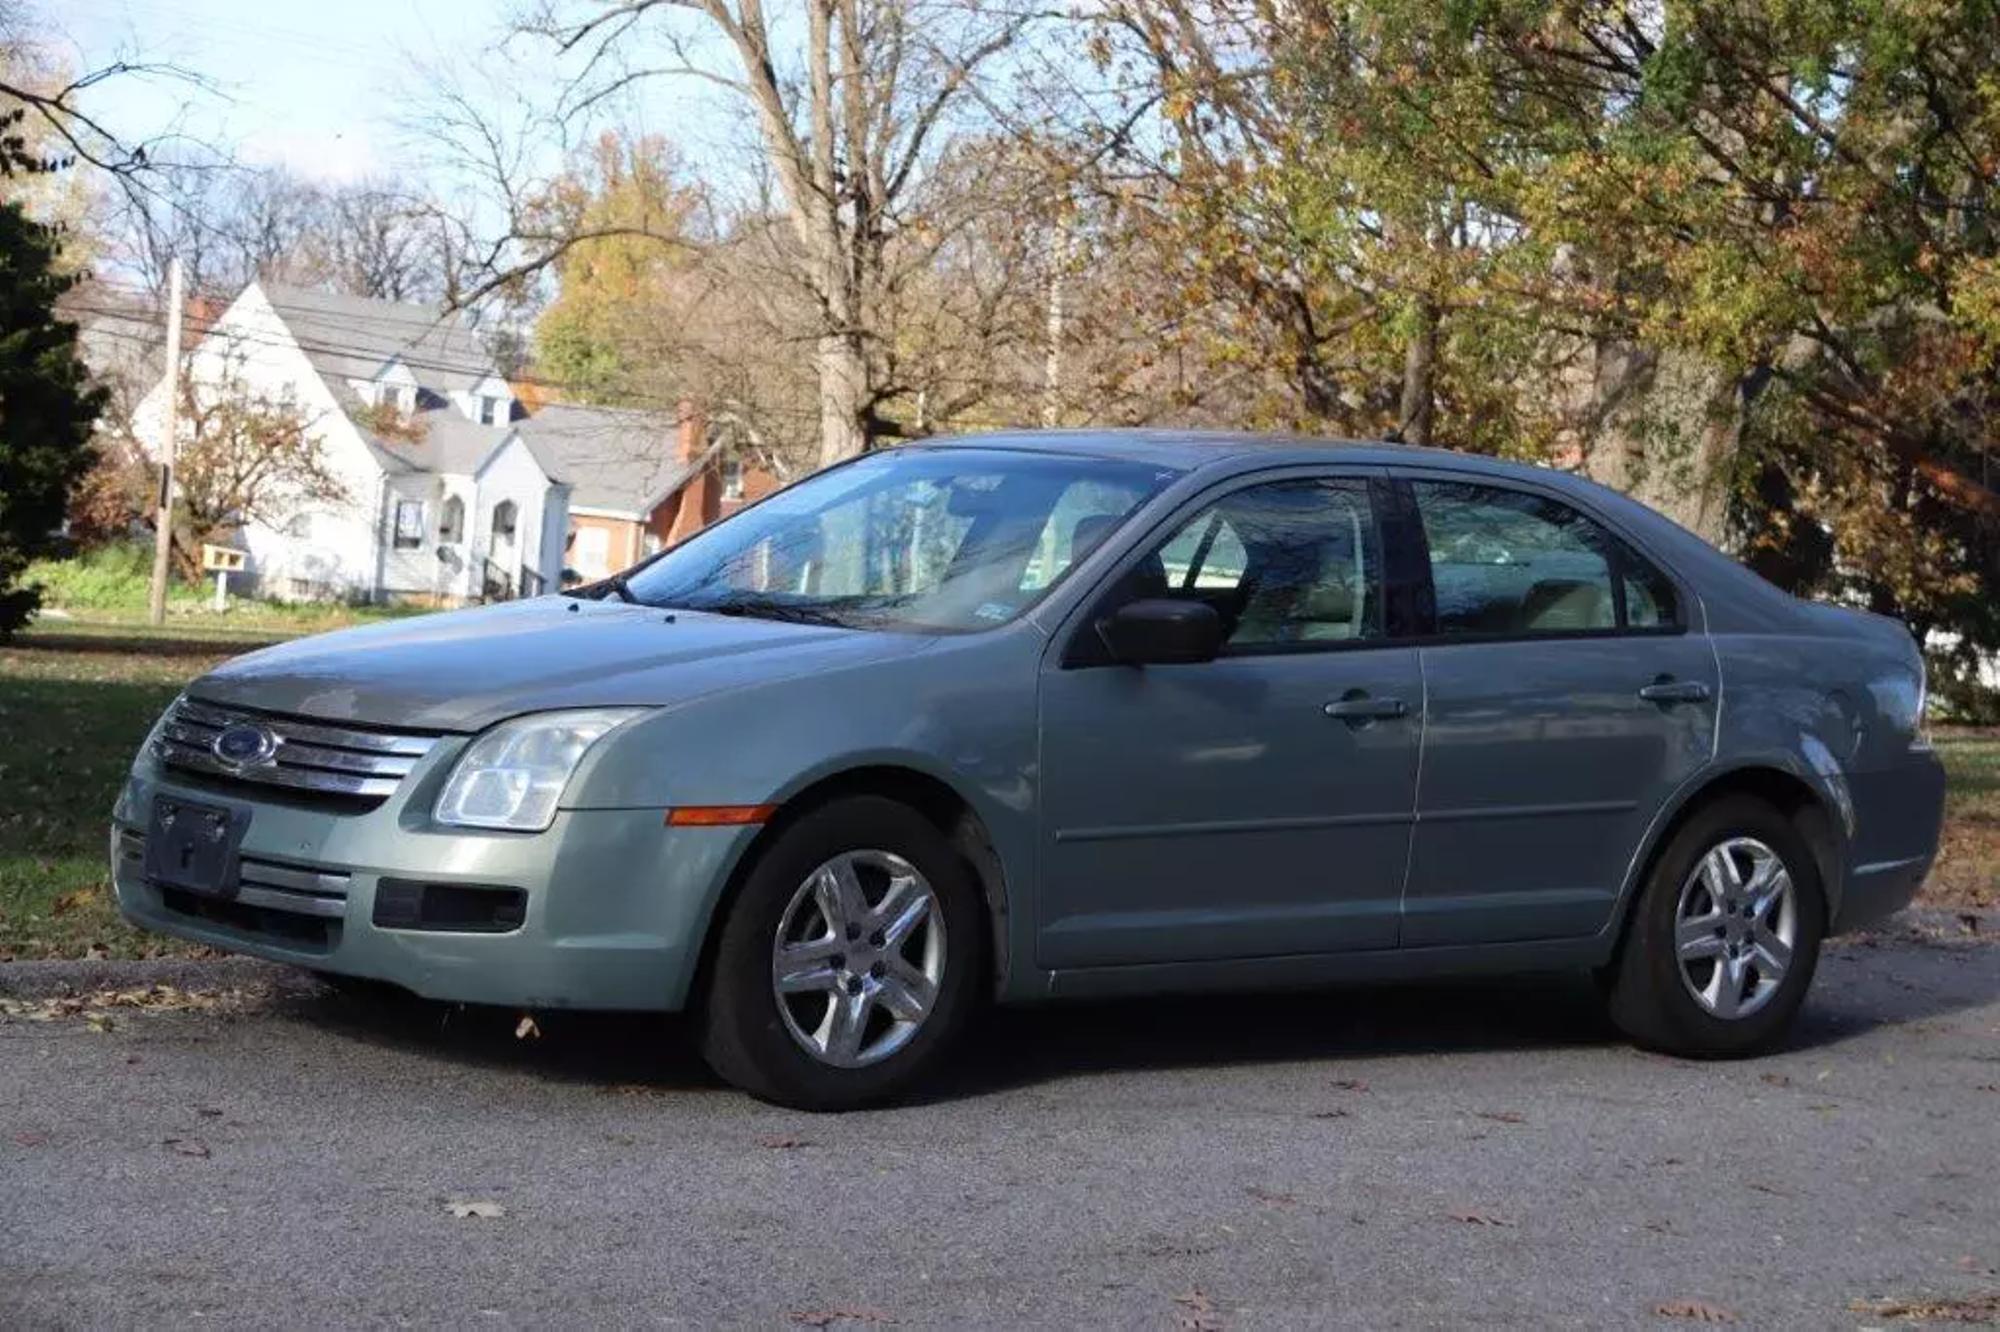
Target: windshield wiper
<point>622,586</point>
<point>759,609</point>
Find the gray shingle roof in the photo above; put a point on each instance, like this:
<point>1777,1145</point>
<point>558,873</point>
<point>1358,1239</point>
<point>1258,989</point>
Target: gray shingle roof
<point>613,458</point>
<point>448,442</point>
<point>351,337</point>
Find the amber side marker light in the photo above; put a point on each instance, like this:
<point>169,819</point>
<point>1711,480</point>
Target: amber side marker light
<point>719,816</point>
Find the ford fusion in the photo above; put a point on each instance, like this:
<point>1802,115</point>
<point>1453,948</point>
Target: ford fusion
<point>1027,717</point>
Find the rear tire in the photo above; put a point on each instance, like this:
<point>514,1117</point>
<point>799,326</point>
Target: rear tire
<point>871,923</point>
<point>1724,939</point>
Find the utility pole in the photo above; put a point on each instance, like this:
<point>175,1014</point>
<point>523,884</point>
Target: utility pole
<point>163,534</point>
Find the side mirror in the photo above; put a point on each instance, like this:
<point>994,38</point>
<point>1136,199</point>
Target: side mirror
<point>1162,632</point>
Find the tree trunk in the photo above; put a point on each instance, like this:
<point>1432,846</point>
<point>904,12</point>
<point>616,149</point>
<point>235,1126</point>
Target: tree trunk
<point>1419,401</point>
<point>843,394</point>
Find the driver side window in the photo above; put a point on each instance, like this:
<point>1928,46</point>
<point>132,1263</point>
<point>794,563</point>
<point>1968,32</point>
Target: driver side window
<point>1289,565</point>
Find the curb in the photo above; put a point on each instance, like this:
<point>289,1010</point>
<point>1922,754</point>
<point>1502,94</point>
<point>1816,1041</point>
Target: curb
<point>48,979</point>
<point>53,979</point>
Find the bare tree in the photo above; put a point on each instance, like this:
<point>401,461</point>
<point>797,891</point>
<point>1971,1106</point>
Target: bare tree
<point>850,121</point>
<point>231,224</point>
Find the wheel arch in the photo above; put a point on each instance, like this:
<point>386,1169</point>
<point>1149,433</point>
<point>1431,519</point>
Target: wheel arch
<point>939,801</point>
<point>1814,809</point>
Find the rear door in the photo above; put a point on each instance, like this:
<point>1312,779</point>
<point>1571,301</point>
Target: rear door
<point>1566,697</point>
<point>1256,805</point>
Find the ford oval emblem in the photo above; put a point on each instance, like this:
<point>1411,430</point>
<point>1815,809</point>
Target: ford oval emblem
<point>244,745</point>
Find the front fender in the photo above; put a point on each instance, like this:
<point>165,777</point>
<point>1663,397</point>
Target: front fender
<point>960,713</point>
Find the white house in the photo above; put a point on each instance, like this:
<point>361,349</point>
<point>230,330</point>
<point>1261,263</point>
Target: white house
<point>448,492</point>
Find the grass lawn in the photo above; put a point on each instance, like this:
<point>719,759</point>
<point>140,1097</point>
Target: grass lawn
<point>1968,868</point>
<point>77,696</point>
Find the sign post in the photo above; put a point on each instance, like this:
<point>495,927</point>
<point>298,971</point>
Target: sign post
<point>223,561</point>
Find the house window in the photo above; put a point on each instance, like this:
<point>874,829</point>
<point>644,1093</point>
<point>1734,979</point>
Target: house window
<point>398,397</point>
<point>505,514</point>
<point>593,552</point>
<point>409,524</point>
<point>732,480</point>
<point>494,411</point>
<point>451,523</point>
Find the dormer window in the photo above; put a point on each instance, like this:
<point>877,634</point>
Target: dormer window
<point>494,410</point>
<point>399,396</point>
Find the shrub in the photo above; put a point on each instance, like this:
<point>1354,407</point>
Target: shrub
<point>109,578</point>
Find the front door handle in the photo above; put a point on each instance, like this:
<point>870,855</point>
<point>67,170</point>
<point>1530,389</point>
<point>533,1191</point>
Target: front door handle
<point>1360,707</point>
<point>1666,690</point>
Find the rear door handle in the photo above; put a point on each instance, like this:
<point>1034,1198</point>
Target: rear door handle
<point>1360,707</point>
<point>1674,691</point>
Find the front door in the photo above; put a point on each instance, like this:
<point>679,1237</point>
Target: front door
<point>1566,698</point>
<point>1256,805</point>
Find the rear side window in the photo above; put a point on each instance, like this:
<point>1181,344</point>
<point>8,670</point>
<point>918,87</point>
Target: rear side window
<point>1509,563</point>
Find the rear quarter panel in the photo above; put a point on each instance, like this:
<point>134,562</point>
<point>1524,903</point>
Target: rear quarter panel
<point>1837,703</point>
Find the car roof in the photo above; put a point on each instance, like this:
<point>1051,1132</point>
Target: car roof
<point>1189,450</point>
<point>1734,598</point>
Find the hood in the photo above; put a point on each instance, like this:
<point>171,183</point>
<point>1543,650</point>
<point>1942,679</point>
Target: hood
<point>465,670</point>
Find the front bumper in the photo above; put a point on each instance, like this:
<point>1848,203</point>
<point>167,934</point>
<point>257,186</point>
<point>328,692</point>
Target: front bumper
<point>617,903</point>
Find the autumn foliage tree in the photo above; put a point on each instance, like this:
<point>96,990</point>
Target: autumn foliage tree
<point>1497,224</point>
<point>244,459</point>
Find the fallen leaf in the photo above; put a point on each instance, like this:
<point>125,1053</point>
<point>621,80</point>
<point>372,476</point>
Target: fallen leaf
<point>1349,1084</point>
<point>99,1022</point>
<point>1695,1311</point>
<point>1984,1308</point>
<point>828,1317</point>
<point>1479,1219</point>
<point>1335,1113</point>
<point>30,1139</point>
<point>186,1147</point>
<point>782,1142</point>
<point>1502,1116</point>
<point>1270,1199</point>
<point>208,1112</point>
<point>486,1211</point>
<point>1197,1312</point>
<point>526,1030</point>
<point>1776,1079</point>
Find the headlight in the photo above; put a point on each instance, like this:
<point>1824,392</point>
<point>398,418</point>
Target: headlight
<point>513,775</point>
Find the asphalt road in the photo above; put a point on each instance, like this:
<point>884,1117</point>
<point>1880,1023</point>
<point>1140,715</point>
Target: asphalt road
<point>1414,1156</point>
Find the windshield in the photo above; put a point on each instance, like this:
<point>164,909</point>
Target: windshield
<point>911,538</point>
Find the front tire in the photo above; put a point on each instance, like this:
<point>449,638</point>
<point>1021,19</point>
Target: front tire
<point>1725,936</point>
<point>849,961</point>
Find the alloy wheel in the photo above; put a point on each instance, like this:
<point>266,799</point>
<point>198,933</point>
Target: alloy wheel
<point>1735,926</point>
<point>858,958</point>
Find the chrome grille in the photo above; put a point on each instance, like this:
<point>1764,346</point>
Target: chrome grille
<point>305,756</point>
<point>296,888</point>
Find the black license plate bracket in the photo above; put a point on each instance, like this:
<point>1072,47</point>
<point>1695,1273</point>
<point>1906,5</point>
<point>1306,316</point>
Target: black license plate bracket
<point>194,846</point>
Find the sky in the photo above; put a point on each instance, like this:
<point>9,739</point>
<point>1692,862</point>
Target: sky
<point>296,83</point>
<point>312,85</point>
